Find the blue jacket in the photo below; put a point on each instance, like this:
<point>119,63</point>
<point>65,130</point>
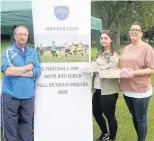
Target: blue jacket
<point>17,86</point>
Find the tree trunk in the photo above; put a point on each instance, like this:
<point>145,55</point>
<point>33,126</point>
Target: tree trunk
<point>117,35</point>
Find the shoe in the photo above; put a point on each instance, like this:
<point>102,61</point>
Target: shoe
<point>103,137</point>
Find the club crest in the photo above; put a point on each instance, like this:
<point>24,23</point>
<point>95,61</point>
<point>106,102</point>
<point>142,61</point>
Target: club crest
<point>61,12</point>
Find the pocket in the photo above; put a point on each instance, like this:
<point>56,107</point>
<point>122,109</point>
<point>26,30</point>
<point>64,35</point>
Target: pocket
<point>6,99</point>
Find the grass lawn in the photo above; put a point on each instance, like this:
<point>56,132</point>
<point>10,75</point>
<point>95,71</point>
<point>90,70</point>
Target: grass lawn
<point>126,130</point>
<point>48,58</point>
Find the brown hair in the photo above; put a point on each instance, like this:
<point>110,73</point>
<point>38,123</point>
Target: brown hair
<point>109,33</point>
<point>139,24</point>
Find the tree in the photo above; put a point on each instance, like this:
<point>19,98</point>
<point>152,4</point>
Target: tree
<point>112,14</point>
<point>145,13</point>
<point>117,16</point>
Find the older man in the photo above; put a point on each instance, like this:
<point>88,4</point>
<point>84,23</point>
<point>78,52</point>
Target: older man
<point>20,67</point>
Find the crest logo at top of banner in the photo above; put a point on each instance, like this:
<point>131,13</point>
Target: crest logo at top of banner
<point>61,12</point>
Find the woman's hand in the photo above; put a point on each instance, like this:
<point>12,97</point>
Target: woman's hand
<point>127,73</point>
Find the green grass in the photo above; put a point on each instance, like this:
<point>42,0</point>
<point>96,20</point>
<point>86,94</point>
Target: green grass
<point>126,130</point>
<point>48,58</point>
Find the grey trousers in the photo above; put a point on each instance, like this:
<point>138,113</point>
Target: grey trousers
<point>17,118</point>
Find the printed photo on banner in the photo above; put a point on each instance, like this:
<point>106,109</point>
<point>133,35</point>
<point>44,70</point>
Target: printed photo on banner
<point>62,48</point>
<point>60,38</point>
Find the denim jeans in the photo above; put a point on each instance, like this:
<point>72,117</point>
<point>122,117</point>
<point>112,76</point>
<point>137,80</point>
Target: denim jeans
<point>138,108</point>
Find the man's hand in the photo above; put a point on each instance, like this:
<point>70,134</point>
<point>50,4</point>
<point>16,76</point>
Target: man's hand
<point>27,74</point>
<point>18,71</point>
<point>30,67</point>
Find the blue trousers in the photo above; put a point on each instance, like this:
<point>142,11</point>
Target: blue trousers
<point>17,118</point>
<point>138,108</point>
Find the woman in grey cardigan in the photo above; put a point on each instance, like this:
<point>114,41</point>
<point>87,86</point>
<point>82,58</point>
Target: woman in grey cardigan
<point>106,90</point>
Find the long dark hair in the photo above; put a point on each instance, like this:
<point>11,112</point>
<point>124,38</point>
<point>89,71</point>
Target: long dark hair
<point>109,33</point>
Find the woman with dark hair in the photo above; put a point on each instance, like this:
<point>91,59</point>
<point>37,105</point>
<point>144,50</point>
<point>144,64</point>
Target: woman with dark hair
<point>106,90</point>
<point>138,58</point>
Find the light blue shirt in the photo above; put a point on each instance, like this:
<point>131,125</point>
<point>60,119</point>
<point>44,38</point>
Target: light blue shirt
<point>17,86</point>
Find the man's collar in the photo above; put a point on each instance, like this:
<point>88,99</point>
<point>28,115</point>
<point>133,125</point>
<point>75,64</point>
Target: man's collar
<point>17,48</point>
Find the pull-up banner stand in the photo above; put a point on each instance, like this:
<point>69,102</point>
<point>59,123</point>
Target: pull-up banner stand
<point>63,105</point>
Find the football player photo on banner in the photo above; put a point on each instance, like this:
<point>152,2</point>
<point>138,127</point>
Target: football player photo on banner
<point>63,102</point>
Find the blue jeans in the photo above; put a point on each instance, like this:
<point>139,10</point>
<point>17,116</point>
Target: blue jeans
<point>138,108</point>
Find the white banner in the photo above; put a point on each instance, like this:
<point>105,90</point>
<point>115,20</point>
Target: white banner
<point>63,106</point>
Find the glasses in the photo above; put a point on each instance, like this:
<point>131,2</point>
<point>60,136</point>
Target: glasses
<point>135,30</point>
<point>20,34</point>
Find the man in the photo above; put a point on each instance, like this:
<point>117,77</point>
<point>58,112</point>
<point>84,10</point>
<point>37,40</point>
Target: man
<point>54,49</point>
<point>20,67</point>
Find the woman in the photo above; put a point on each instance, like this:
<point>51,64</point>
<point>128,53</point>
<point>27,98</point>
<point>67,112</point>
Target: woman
<point>138,57</point>
<point>106,90</point>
